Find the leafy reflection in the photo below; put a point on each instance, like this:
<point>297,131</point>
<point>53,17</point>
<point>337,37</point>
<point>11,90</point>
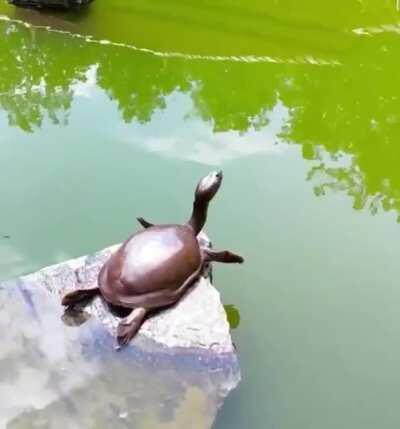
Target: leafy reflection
<point>352,109</point>
<point>33,80</point>
<point>233,315</point>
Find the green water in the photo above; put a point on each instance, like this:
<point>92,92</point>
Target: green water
<point>298,102</point>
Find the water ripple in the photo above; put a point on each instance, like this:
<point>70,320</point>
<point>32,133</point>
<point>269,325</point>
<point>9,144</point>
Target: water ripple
<point>308,59</point>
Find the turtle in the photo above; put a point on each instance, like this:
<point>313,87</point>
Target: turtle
<point>155,267</point>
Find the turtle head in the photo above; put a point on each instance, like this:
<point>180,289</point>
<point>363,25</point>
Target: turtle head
<point>208,187</point>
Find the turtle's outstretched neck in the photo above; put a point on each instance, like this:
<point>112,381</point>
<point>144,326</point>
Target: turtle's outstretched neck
<point>205,191</point>
<point>199,216</point>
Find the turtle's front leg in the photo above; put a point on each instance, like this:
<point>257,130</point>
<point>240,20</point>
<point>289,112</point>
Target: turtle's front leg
<point>144,223</point>
<point>222,256</point>
<point>80,296</point>
<point>130,325</point>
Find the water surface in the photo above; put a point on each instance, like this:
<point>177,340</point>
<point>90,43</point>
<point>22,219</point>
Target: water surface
<point>117,111</point>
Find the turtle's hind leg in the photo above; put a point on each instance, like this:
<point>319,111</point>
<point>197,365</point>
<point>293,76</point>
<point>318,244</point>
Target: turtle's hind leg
<point>129,326</point>
<point>222,256</point>
<point>80,296</point>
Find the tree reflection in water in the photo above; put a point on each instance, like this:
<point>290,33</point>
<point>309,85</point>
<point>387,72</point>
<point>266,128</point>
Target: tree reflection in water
<point>345,118</point>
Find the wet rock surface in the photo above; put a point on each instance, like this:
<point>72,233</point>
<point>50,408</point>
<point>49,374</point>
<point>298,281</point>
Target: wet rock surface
<point>175,374</point>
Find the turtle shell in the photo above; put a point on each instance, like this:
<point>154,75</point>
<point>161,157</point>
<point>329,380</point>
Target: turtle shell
<point>160,257</point>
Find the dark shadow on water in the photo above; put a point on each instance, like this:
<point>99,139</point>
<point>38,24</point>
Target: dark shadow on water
<point>75,317</point>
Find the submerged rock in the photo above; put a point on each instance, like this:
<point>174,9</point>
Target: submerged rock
<point>177,370</point>
<point>56,4</point>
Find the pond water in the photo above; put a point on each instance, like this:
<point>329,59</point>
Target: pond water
<point>115,112</point>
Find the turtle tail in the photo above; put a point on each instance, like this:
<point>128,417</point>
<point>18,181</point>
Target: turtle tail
<point>80,296</point>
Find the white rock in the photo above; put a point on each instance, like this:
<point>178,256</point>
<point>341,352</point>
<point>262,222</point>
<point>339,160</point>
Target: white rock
<point>198,320</point>
<point>54,375</point>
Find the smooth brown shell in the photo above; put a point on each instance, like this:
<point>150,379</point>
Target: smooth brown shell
<point>157,258</point>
